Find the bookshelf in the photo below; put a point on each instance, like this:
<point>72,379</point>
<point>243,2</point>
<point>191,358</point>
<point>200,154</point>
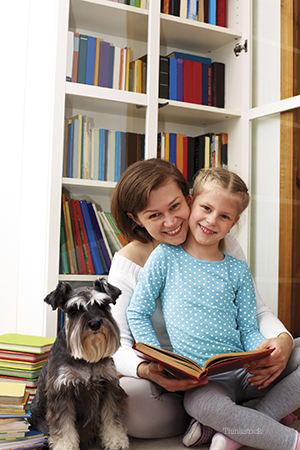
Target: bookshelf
<point>153,33</point>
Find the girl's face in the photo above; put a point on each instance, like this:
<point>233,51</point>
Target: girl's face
<point>166,215</point>
<point>213,213</point>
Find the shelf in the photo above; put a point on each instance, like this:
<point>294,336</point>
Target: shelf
<point>81,278</point>
<point>192,36</point>
<point>88,187</point>
<point>191,114</point>
<point>111,101</point>
<point>109,18</point>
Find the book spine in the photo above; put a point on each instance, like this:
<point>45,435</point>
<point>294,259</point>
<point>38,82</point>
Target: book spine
<point>163,77</point>
<point>75,58</point>
<point>90,61</point>
<point>70,54</point>
<point>91,238</point>
<point>218,84</point>
<point>81,74</point>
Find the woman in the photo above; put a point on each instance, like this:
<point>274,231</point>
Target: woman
<point>149,206</point>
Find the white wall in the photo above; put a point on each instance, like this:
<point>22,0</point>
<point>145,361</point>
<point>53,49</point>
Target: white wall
<point>28,83</point>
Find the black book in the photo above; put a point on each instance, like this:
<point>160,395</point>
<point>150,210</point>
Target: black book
<point>191,161</point>
<point>163,77</point>
<point>218,84</point>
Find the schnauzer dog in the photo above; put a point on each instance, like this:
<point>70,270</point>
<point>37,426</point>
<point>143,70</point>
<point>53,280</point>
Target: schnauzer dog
<point>79,399</point>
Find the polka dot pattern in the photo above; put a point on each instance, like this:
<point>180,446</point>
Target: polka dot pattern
<point>209,306</point>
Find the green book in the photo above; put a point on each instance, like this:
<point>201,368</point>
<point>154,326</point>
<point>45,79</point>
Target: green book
<point>26,343</point>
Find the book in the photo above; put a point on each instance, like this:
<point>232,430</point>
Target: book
<point>81,73</point>
<point>192,10</point>
<point>16,407</point>
<point>188,80</point>
<point>163,77</point>
<point>91,238</point>
<point>221,13</point>
<point>103,64</point>
<point>70,53</point>
<point>90,60</point>
<point>179,80</point>
<point>22,356</point>
<point>84,241</point>
<point>172,148</point>
<point>197,82</point>
<point>172,79</point>
<point>182,367</point>
<point>24,342</point>
<point>75,57</point>
<point>218,84</point>
<point>190,57</point>
<point>212,12</point>
<point>12,393</point>
<point>99,238</point>
<point>96,65</point>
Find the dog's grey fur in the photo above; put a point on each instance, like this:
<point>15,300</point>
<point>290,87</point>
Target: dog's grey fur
<point>79,399</point>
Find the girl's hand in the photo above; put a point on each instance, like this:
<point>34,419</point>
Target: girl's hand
<point>155,372</point>
<point>272,365</point>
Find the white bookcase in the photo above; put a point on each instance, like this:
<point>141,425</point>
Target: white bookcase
<point>144,32</point>
<point>152,33</point>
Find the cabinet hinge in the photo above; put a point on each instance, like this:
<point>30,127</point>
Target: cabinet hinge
<point>238,48</point>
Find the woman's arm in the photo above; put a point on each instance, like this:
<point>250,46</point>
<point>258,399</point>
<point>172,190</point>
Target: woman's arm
<point>124,274</point>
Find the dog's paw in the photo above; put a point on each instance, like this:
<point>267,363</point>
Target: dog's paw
<point>116,441</point>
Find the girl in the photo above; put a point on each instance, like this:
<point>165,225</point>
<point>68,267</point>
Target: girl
<point>149,206</point>
<point>209,306</point>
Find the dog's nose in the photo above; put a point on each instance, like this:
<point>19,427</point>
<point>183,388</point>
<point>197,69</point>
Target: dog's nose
<point>94,324</point>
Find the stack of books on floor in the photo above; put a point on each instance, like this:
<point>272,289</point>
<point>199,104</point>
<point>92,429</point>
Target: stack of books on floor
<point>14,412</point>
<point>88,239</point>
<point>22,358</point>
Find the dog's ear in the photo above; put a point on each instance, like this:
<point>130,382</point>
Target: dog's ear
<point>59,296</point>
<point>102,285</point>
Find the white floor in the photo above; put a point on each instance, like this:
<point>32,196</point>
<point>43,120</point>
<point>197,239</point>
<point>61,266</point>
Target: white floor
<point>175,443</point>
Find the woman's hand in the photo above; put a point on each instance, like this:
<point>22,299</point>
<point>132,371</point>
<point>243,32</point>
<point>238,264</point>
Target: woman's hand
<point>272,365</point>
<point>155,372</point>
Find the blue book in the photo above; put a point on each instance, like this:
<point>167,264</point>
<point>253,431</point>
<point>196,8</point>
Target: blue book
<point>204,84</point>
<point>197,58</point>
<point>90,60</point>
<point>99,239</point>
<point>180,80</point>
<point>172,145</point>
<point>111,63</point>
<point>70,150</point>
<point>91,238</point>
<point>101,154</point>
<point>81,73</point>
<point>212,12</point>
<point>118,156</point>
<point>172,79</point>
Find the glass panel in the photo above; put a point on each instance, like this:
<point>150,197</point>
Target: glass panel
<point>275,51</point>
<point>265,207</point>
<point>275,214</point>
<point>266,52</point>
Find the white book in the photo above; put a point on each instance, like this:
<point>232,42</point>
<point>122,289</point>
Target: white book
<point>183,9</point>
<point>116,75</point>
<point>70,52</point>
<point>103,232</point>
<point>113,240</point>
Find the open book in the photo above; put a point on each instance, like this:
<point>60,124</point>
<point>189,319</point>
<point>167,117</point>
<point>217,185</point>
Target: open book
<point>182,367</point>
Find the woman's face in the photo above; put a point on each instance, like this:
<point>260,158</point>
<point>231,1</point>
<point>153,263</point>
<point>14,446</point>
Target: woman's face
<point>166,215</point>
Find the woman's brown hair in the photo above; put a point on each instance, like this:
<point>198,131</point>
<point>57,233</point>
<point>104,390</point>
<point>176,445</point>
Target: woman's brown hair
<point>132,191</point>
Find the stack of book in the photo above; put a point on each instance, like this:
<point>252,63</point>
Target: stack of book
<point>208,11</point>
<point>137,3</point>
<point>191,154</point>
<point>98,154</point>
<point>22,358</point>
<point>14,412</point>
<point>89,238</point>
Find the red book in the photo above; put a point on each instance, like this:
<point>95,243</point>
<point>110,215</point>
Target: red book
<point>185,157</point>
<point>90,266</point>
<point>165,6</point>
<point>197,82</point>
<point>221,13</point>
<point>187,81</point>
<point>78,238</point>
<point>75,57</point>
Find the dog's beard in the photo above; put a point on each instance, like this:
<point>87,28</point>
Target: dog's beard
<point>92,346</point>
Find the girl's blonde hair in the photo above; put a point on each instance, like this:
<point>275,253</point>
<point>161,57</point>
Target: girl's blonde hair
<point>227,180</point>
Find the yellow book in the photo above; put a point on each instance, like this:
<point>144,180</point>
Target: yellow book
<point>97,56</point>
<point>12,393</point>
<point>167,146</point>
<point>127,69</point>
<point>179,152</point>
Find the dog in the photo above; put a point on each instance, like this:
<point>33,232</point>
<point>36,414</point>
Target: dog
<point>79,400</point>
